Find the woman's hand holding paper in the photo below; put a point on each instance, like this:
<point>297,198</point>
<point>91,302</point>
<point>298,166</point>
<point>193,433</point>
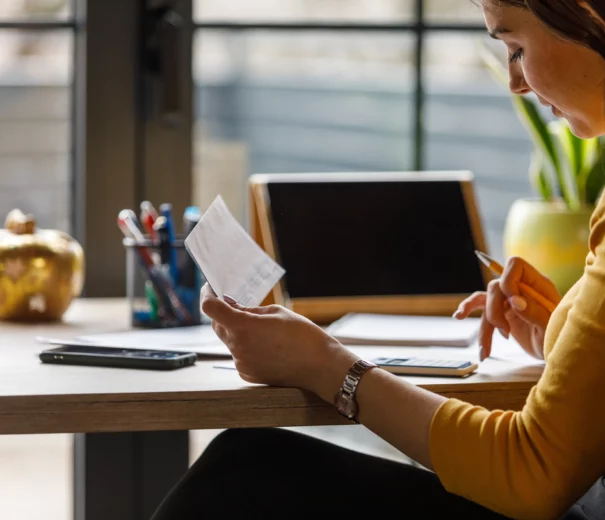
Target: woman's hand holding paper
<point>273,345</point>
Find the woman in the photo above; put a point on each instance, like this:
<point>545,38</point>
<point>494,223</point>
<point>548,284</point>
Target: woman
<point>541,462</point>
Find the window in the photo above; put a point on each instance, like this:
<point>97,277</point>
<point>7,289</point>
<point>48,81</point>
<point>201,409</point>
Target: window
<point>304,11</point>
<point>321,101</point>
<point>36,64</point>
<point>453,11</point>
<point>36,87</point>
<point>312,86</point>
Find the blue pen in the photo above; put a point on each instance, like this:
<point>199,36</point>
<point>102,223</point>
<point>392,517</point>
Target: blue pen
<point>191,276</point>
<point>189,269</point>
<point>191,217</point>
<point>166,211</point>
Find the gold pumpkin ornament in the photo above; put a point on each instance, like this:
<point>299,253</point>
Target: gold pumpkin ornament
<point>41,270</point>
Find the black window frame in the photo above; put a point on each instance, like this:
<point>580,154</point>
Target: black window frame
<point>122,153</point>
<point>418,27</point>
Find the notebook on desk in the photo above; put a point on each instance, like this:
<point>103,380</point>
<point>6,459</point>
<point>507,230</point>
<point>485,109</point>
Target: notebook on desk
<point>396,330</point>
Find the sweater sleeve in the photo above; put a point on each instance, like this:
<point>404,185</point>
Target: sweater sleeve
<point>535,463</point>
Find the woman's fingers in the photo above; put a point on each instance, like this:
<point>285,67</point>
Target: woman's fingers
<point>207,291</point>
<point>518,271</point>
<point>220,311</point>
<point>530,311</point>
<point>486,333</point>
<point>494,303</point>
<point>474,302</point>
<point>495,308</point>
<point>268,309</point>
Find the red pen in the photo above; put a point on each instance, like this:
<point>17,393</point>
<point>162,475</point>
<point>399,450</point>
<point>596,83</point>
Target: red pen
<point>127,222</point>
<point>148,221</point>
<point>148,217</point>
<point>149,208</point>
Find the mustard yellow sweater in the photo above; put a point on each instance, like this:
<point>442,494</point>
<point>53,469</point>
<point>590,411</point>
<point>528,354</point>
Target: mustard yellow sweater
<point>537,462</point>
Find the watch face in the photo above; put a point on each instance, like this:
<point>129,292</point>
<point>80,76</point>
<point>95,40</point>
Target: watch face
<point>347,407</point>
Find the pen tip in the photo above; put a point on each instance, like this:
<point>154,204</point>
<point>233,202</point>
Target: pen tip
<point>486,260</point>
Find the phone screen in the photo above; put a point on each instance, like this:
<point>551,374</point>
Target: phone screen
<point>93,350</point>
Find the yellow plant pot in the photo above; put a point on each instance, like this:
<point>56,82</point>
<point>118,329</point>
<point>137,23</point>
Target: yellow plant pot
<point>550,237</point>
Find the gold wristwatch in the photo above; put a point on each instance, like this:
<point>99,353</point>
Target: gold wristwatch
<point>345,399</point>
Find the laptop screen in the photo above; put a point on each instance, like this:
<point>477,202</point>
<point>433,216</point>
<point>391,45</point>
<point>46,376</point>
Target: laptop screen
<point>359,238</point>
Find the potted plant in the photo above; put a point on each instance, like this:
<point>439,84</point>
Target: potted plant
<point>568,175</point>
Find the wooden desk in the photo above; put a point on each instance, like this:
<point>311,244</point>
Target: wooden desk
<point>38,398</point>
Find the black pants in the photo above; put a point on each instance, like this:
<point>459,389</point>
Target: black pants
<point>272,473</point>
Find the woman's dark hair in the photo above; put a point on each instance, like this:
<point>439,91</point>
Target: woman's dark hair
<point>581,21</point>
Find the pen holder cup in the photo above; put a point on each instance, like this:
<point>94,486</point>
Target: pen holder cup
<point>156,299</point>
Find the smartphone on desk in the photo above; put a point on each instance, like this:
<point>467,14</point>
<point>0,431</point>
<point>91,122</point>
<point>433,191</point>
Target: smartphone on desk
<point>100,356</point>
<point>426,367</point>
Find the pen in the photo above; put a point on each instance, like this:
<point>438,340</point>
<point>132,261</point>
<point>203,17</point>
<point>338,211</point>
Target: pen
<point>166,211</point>
<point>148,217</point>
<point>161,230</point>
<point>191,217</point>
<point>152,299</point>
<point>160,280</point>
<point>147,207</point>
<point>128,223</point>
<point>147,220</point>
<point>190,275</point>
<point>497,269</point>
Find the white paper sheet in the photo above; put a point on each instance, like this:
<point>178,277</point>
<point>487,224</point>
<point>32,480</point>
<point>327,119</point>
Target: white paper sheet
<point>202,340</point>
<point>231,261</point>
<point>382,329</point>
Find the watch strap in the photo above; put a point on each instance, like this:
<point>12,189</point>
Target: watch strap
<point>345,399</point>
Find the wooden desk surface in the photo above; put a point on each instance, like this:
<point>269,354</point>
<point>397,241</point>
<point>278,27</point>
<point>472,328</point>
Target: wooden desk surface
<point>40,398</point>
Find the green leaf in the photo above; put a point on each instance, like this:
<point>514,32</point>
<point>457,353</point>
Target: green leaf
<point>592,152</point>
<point>539,179</point>
<point>538,130</point>
<point>590,157</point>
<point>567,177</point>
<point>595,178</point>
<point>572,145</point>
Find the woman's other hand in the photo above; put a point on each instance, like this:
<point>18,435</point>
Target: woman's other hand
<point>509,310</point>
<point>275,346</point>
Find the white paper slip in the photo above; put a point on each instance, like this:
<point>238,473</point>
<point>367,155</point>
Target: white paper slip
<point>386,329</point>
<point>230,260</point>
<point>201,339</point>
